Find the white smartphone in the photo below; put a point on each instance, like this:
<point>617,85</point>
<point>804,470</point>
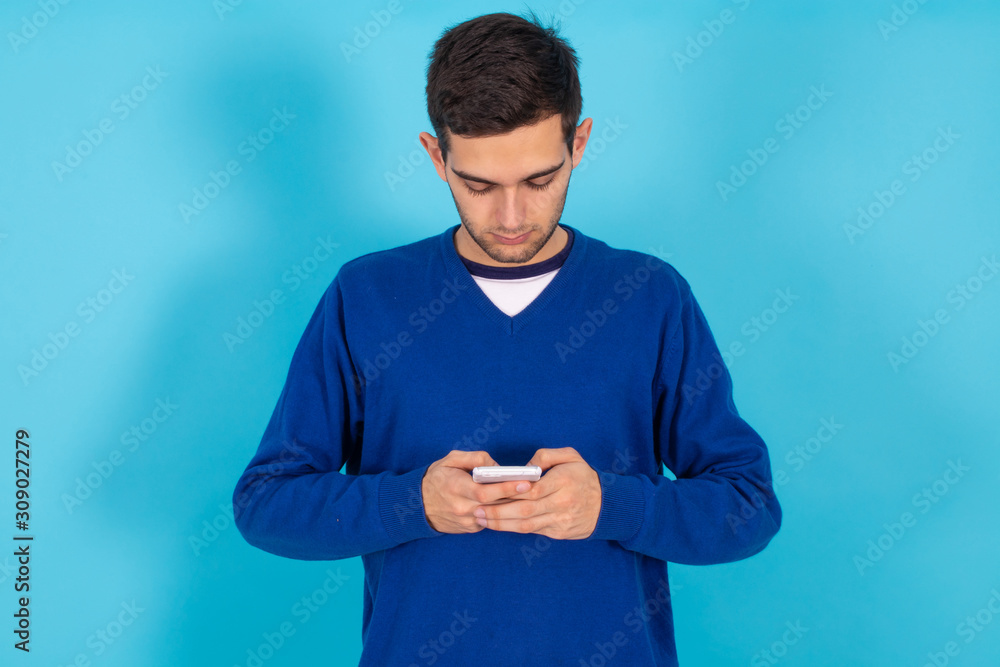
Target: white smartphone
<point>506,473</point>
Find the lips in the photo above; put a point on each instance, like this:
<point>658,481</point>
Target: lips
<point>514,239</point>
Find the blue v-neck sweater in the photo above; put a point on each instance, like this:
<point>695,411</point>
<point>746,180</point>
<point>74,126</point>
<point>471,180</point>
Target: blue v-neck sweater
<point>405,359</point>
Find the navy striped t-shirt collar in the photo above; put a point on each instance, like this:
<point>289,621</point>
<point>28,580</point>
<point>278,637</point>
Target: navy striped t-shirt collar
<point>524,271</point>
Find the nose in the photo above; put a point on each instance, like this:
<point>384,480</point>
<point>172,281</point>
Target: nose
<point>510,211</point>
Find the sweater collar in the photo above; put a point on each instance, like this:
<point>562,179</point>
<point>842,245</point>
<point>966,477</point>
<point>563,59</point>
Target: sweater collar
<point>463,279</point>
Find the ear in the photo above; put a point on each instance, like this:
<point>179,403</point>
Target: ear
<point>430,144</point>
<point>580,140</point>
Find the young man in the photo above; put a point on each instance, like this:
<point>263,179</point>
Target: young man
<point>509,340</point>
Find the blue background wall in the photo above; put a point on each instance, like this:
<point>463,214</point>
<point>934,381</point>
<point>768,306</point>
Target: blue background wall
<point>156,101</point>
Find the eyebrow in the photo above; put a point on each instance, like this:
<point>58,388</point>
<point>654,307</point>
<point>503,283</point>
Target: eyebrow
<point>543,172</point>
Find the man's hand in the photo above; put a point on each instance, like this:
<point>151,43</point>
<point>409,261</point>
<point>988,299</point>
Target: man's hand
<point>450,495</point>
<point>564,504</point>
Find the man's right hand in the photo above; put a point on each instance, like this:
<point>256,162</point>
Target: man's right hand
<point>450,496</point>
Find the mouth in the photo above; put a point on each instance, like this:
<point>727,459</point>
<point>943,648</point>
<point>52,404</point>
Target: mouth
<point>512,240</point>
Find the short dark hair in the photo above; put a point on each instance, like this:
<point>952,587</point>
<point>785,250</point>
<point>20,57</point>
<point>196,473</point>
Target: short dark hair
<point>497,72</point>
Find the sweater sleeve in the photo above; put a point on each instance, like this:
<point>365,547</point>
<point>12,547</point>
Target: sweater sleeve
<point>292,500</point>
<point>722,507</point>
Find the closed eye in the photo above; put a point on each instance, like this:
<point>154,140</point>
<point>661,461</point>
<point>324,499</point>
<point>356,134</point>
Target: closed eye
<point>484,191</point>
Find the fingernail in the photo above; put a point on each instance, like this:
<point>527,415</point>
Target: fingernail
<point>480,512</point>
<point>481,522</point>
<point>523,487</point>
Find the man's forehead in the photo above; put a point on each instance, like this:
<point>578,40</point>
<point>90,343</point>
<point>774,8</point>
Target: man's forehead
<point>524,153</point>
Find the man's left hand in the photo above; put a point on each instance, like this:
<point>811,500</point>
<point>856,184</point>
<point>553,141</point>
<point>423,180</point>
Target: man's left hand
<point>564,504</point>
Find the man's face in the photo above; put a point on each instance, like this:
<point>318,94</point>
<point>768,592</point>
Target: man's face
<point>510,187</point>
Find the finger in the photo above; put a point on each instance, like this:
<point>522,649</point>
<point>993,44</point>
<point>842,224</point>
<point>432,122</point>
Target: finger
<point>514,510</point>
<point>466,460</point>
<point>527,521</point>
<point>546,458</point>
<point>540,489</point>
<point>502,501</point>
<point>493,491</point>
<point>551,524</point>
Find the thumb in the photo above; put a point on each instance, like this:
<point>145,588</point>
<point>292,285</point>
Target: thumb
<point>467,460</point>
